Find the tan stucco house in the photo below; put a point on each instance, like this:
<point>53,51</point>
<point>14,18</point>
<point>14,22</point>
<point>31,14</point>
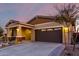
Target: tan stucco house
<point>40,28</point>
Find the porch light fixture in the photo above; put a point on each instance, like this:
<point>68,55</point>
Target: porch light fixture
<point>18,30</point>
<point>66,29</point>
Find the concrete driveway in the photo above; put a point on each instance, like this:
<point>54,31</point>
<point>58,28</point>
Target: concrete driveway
<point>31,49</point>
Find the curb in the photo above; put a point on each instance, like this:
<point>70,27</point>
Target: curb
<point>57,51</point>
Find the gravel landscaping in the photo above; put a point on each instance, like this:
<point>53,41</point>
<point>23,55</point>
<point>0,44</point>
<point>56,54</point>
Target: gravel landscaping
<point>69,51</point>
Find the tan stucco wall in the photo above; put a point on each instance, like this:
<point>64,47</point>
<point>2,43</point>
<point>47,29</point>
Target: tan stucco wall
<point>41,26</point>
<point>33,35</point>
<point>9,31</point>
<point>27,34</point>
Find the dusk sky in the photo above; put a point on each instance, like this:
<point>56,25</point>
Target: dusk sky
<point>25,12</point>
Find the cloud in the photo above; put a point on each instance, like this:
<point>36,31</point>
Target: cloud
<point>25,11</point>
<point>28,9</point>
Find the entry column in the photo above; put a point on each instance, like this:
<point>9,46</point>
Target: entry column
<point>33,35</point>
<point>19,35</point>
<point>9,31</point>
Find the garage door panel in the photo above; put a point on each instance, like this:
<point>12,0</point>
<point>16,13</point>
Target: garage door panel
<point>49,36</point>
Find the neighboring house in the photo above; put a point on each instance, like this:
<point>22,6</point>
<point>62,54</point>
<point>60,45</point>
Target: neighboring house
<point>40,28</point>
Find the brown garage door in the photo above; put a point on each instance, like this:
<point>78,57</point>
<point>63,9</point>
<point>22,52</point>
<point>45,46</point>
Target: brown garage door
<point>49,35</point>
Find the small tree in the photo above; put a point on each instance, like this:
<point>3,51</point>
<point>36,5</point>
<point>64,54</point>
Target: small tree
<point>67,15</point>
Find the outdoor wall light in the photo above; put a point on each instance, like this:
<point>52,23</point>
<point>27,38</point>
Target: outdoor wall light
<point>18,30</point>
<point>66,29</point>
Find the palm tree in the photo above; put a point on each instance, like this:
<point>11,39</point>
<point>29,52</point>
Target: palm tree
<point>67,15</point>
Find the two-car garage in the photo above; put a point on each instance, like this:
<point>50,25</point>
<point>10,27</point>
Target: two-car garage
<point>49,35</point>
<point>46,29</point>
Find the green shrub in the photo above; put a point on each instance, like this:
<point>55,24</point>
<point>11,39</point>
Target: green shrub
<point>1,31</point>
